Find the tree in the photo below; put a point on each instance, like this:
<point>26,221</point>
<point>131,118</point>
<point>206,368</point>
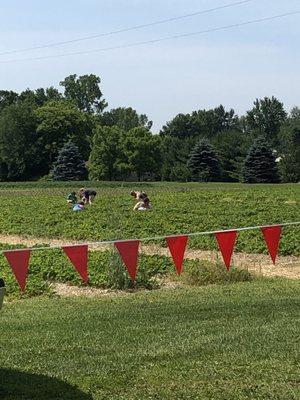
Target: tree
<point>232,147</point>
<point>142,152</point>
<point>289,155</point>
<point>84,91</point>
<point>105,157</point>
<point>266,117</point>
<point>125,118</point>
<point>203,162</point>
<point>7,97</point>
<point>59,122</point>
<point>69,165</point>
<point>40,96</point>
<point>19,153</point>
<point>260,164</point>
<point>203,123</point>
<point>175,155</point>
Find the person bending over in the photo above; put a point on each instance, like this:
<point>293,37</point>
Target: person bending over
<point>138,195</point>
<point>143,205</point>
<point>72,199</point>
<point>87,195</point>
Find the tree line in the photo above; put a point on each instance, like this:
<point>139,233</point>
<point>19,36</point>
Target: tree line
<point>46,130</point>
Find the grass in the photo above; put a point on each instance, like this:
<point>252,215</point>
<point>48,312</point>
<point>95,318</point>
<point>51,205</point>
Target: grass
<point>235,341</point>
<point>39,209</point>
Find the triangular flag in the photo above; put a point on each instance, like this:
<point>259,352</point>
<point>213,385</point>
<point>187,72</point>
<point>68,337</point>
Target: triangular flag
<point>177,246</point>
<point>78,256</point>
<point>129,253</point>
<point>272,238</point>
<point>226,242</point>
<point>19,261</point>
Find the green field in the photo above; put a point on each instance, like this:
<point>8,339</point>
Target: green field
<point>215,335</point>
<point>40,210</point>
<point>217,342</point>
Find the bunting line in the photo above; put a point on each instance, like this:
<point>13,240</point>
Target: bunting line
<point>107,242</point>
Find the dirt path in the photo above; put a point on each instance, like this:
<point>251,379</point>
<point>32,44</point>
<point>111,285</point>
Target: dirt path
<point>288,267</point>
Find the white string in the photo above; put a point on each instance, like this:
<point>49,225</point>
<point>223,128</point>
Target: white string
<point>104,243</point>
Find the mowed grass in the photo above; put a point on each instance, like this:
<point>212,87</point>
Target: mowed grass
<point>237,341</point>
<point>40,210</point>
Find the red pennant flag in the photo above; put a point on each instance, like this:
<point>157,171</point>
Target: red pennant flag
<point>177,246</point>
<point>226,242</point>
<point>129,253</point>
<point>78,256</point>
<point>19,261</point>
<point>272,238</point>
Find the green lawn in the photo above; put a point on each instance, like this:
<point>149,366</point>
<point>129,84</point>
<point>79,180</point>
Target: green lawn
<point>40,210</point>
<point>238,341</point>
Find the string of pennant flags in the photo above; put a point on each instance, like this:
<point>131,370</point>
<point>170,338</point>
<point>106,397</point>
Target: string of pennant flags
<point>128,249</point>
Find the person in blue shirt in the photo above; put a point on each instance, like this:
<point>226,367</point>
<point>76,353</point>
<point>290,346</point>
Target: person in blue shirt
<point>79,206</point>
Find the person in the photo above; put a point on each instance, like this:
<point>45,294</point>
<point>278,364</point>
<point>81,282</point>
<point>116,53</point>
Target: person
<point>138,195</point>
<point>72,199</point>
<point>143,205</point>
<point>87,195</point>
<point>79,206</point>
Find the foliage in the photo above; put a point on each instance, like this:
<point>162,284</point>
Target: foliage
<point>106,271</point>
<point>260,164</point>
<point>69,165</point>
<point>52,118</point>
<point>84,91</point>
<point>125,118</point>
<point>201,123</point>
<point>19,158</point>
<point>203,163</point>
<point>232,147</point>
<point>290,148</point>
<point>220,342</point>
<point>142,152</point>
<point>106,154</point>
<point>266,117</point>
<point>59,122</point>
<point>39,210</point>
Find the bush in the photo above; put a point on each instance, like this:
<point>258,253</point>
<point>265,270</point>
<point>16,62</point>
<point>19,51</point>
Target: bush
<point>204,272</point>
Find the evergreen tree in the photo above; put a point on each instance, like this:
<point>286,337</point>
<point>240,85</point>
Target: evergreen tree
<point>260,165</point>
<point>203,162</point>
<point>69,165</point>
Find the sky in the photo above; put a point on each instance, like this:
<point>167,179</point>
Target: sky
<point>231,67</point>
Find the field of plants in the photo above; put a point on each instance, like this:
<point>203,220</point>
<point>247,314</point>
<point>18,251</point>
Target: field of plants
<point>209,334</point>
<point>39,210</point>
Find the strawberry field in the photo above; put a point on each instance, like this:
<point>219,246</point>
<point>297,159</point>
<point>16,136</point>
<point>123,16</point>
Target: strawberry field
<point>40,210</point>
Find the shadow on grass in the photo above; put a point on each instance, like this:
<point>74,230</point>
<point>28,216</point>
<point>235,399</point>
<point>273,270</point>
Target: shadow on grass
<point>17,385</point>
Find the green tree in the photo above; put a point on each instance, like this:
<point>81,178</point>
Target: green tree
<point>19,153</point>
<point>175,155</point>
<point>201,123</point>
<point>106,156</point>
<point>142,152</point>
<point>289,154</point>
<point>7,97</point>
<point>40,96</point>
<point>266,118</point>
<point>125,118</point>
<point>232,147</point>
<point>59,122</point>
<point>260,165</point>
<point>203,162</point>
<point>84,91</point>
<point>69,165</point>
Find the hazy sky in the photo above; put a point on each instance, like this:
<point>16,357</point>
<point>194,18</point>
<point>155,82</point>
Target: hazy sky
<point>231,67</point>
